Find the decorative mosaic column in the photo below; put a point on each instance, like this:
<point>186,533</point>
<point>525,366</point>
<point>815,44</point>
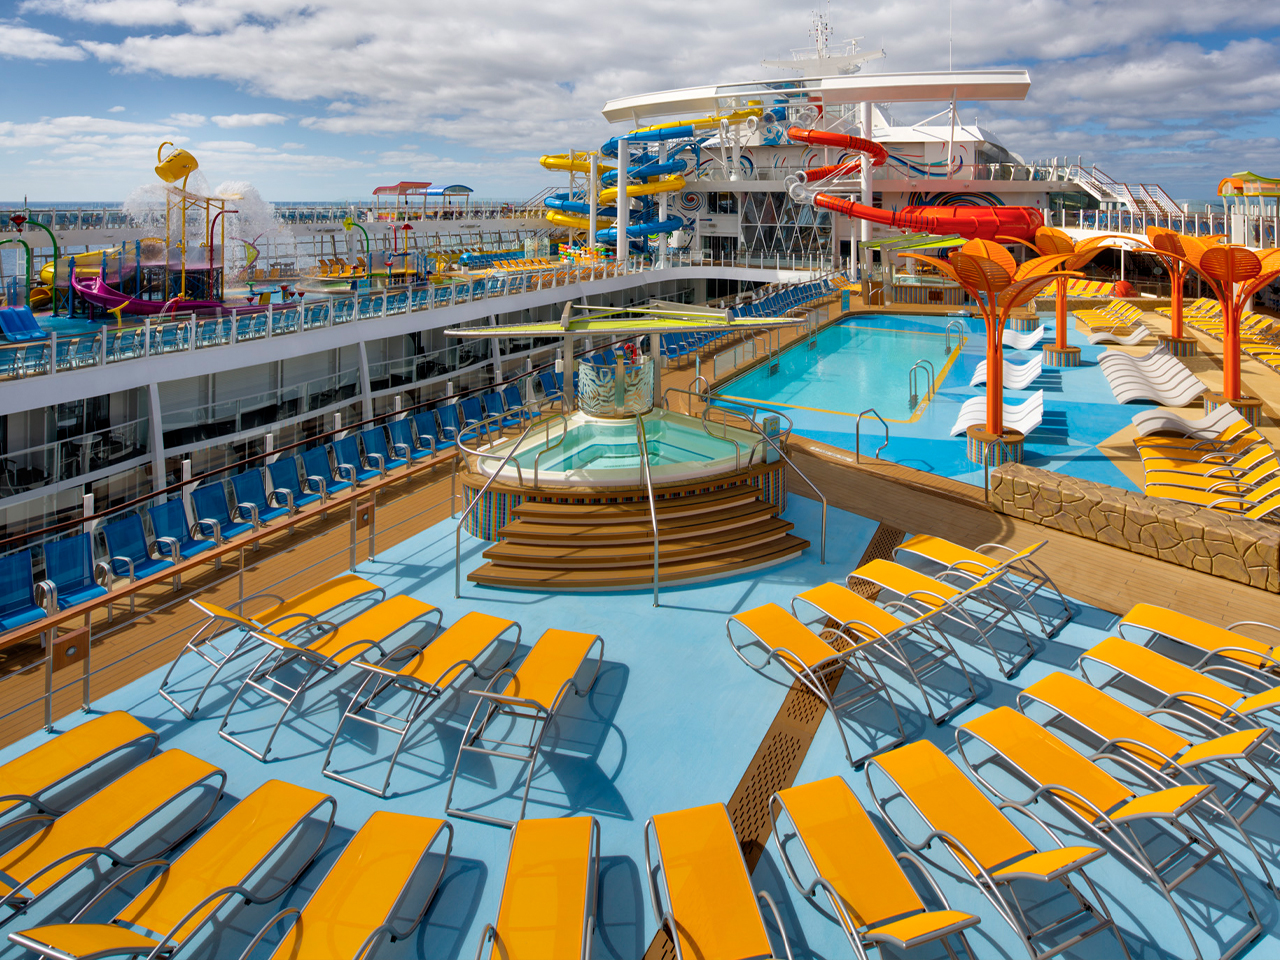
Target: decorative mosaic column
<point>1023,324</point>
<point>994,449</point>
<point>1249,407</point>
<point>1061,356</point>
<point>1180,346</point>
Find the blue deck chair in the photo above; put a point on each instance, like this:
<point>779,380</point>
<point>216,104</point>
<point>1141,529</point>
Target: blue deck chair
<point>405,444</point>
<point>130,553</point>
<point>174,532</point>
<point>495,406</point>
<point>471,410</point>
<point>424,421</point>
<point>319,473</point>
<point>251,499</point>
<point>376,452</point>
<point>551,390</point>
<point>515,402</point>
<point>17,591</point>
<point>213,517</point>
<point>285,485</point>
<point>450,424</point>
<point>70,573</point>
<point>346,454</point>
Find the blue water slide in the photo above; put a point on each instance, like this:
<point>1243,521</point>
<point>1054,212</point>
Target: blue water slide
<point>685,131</point>
<point>647,171</point>
<point>638,231</point>
<point>578,207</point>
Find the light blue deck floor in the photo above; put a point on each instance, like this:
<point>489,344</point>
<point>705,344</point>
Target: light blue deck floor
<point>1080,412</point>
<point>672,722</point>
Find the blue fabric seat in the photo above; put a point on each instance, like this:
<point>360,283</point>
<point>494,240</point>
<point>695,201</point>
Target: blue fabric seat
<point>551,390</point>
<point>515,402</point>
<point>173,530</point>
<point>69,573</point>
<point>319,473</point>
<point>131,555</point>
<point>495,406</point>
<point>471,409</point>
<point>346,454</point>
<point>376,452</point>
<point>450,425</point>
<point>17,591</point>
<point>251,499</point>
<point>213,517</point>
<point>285,485</point>
<point>424,421</point>
<point>405,443</point>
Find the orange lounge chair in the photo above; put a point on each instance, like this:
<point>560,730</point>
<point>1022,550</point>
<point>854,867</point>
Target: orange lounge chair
<point>533,692</point>
<point>1205,639</point>
<point>34,777</point>
<point>96,826</point>
<point>989,850</point>
<point>869,894</point>
<point>548,904</point>
<point>223,863</point>
<point>710,910</point>
<point>443,665</point>
<point>364,896</point>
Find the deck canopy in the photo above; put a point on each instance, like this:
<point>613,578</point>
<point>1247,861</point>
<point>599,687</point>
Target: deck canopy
<point>657,316</point>
<point>452,190</point>
<point>936,86</point>
<point>405,188</point>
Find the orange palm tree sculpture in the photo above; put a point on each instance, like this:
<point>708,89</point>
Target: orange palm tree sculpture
<point>988,272</point>
<point>1049,242</point>
<point>1174,251</point>
<point>1234,274</point>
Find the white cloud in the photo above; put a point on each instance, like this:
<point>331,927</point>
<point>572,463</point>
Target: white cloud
<point>248,119</point>
<point>116,109</point>
<point>293,146</point>
<point>188,119</point>
<point>27,43</point>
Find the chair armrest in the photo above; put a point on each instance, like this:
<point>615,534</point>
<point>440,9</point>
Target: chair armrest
<point>172,545</point>
<point>217,530</point>
<point>408,451</point>
<point>103,574</point>
<point>49,590</point>
<point>320,486</point>
<point>252,508</point>
<point>128,562</point>
<point>288,499</point>
<point>351,475</point>
<point>378,462</point>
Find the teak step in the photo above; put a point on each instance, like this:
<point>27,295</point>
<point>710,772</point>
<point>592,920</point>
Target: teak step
<point>599,513</point>
<point>740,561</point>
<point>571,554</point>
<point>639,530</point>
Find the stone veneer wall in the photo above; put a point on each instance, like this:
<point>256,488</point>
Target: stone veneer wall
<point>1246,551</point>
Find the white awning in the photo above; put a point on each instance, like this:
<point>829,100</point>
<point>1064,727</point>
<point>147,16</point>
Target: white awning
<point>940,86</point>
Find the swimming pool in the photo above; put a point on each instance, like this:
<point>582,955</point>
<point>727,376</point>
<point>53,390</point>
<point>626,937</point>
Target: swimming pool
<point>596,451</point>
<point>852,366</point>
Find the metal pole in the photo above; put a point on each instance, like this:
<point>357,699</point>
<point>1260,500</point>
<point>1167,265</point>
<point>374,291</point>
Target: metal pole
<point>623,204</point>
<point>593,192</point>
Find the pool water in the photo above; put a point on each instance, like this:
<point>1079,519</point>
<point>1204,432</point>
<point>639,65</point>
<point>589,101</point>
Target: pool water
<point>852,367</point>
<point>598,445</point>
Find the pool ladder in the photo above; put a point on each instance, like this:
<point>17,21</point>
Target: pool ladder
<point>960,335</point>
<point>913,384</point>
<point>857,435</point>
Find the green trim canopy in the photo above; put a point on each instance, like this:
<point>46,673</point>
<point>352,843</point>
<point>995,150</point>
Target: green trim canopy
<point>657,316</point>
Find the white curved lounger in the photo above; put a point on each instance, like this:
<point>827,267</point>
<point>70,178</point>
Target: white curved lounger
<point>1023,417</point>
<point>1139,334</point>
<point>1161,370</point>
<point>1130,385</point>
<point>1022,341</point>
<point>1206,428</point>
<point>1017,376</point>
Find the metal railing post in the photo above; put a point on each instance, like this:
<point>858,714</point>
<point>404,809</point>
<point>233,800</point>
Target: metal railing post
<point>642,441</point>
<point>351,559</point>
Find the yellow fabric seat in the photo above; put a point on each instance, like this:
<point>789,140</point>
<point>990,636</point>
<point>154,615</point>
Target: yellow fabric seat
<point>176,904</point>
<point>870,895</point>
<point>548,896</point>
<point>982,840</point>
<point>795,644</point>
<point>450,658</point>
<point>533,692</point>
<point>357,901</point>
<point>710,906</point>
<point>102,820</point>
<point>41,769</point>
<point>342,644</point>
<point>1195,633</point>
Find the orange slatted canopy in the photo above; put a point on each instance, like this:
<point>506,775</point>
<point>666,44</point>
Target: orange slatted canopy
<point>545,896</point>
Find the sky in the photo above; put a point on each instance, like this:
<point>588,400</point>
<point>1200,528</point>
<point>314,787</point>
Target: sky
<point>324,99</point>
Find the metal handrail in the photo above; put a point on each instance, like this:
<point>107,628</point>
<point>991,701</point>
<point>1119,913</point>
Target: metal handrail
<point>457,531</point>
<point>484,454</point>
<point>822,548</point>
<point>913,381</point>
<point>642,441</point>
<point>959,333</point>
<point>857,434</point>
<point>564,421</point>
<point>705,383</point>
